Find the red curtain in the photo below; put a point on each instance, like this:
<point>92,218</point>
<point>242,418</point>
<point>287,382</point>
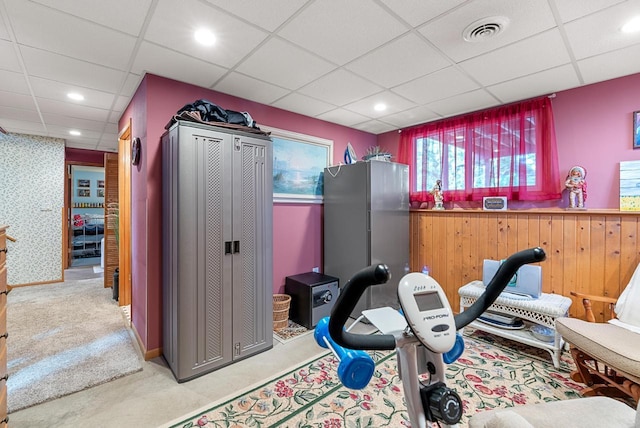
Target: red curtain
<point>507,151</point>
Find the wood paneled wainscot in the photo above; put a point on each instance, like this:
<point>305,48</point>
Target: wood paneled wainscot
<point>592,251</point>
<point>3,326</point>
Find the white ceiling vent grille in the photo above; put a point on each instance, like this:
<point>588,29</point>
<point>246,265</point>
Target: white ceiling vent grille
<point>485,29</point>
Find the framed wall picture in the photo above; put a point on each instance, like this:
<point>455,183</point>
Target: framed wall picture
<point>100,184</point>
<point>100,193</point>
<point>636,129</point>
<point>83,183</point>
<point>630,185</point>
<point>298,166</point>
<point>84,193</point>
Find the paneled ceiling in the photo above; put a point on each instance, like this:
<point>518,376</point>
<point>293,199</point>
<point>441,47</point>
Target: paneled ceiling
<point>329,59</point>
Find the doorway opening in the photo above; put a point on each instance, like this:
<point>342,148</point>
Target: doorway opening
<point>86,219</point>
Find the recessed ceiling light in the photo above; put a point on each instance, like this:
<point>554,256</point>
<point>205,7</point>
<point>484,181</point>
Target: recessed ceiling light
<point>205,37</point>
<point>75,133</point>
<point>632,26</point>
<point>380,107</point>
<point>75,96</point>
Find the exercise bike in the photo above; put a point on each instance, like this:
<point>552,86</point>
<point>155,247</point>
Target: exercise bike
<point>429,340</point>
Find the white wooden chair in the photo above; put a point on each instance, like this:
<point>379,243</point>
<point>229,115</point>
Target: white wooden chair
<point>607,355</point>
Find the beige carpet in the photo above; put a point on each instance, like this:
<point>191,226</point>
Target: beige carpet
<point>63,338</point>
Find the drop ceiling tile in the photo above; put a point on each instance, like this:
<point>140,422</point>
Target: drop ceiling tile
<point>537,53</point>
<point>72,109</point>
<point>155,59</point>
<point>63,132</point>
<point>13,82</point>
<point>417,12</point>
<point>109,135</point>
<point>249,88</point>
<point>45,88</point>
<point>4,32</point>
<point>544,82</point>
<point>21,126</point>
<point>463,103</point>
<point>572,9</point>
<point>111,128</point>
<point>121,103</point>
<point>374,127</point>
<point>131,84</point>
<point>435,86</point>
<point>600,32</point>
<point>394,103</point>
<point>9,57</point>
<point>114,116</point>
<point>342,117</point>
<point>56,67</point>
<point>173,27</point>
<point>268,15</point>
<point>41,27</point>
<point>107,146</point>
<point>340,87</point>
<point>19,101</point>
<point>610,65</point>
<point>73,122</point>
<point>80,143</point>
<point>399,61</point>
<point>123,15</point>
<point>283,64</point>
<point>27,115</point>
<point>340,37</point>
<point>302,104</point>
<point>413,116</point>
<point>525,19</point>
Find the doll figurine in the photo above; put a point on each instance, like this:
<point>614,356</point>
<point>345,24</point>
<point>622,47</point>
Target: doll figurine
<point>436,191</point>
<point>577,186</point>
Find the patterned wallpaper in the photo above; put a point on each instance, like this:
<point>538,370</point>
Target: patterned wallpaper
<point>31,204</point>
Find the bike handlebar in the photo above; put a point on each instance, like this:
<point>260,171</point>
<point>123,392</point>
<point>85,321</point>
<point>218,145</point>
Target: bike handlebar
<point>347,300</point>
<point>379,274</point>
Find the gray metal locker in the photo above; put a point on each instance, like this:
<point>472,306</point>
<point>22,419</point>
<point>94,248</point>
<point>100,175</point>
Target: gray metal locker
<point>366,221</point>
<point>217,247</point>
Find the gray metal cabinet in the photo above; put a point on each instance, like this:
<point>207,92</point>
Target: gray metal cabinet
<point>366,221</point>
<point>217,247</point>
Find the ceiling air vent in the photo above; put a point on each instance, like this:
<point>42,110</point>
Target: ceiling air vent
<point>485,28</point>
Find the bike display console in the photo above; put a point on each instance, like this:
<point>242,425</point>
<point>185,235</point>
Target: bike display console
<point>541,311</point>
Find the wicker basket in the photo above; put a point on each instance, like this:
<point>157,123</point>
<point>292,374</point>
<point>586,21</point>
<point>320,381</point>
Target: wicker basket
<point>281,304</point>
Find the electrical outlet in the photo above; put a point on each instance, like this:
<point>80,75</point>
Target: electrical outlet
<point>316,269</point>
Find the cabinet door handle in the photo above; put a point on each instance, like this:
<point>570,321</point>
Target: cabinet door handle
<point>6,335</point>
<point>236,246</point>
<point>5,250</point>
<point>5,377</point>
<point>227,247</point>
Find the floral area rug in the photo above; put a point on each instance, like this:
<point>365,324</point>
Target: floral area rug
<point>491,373</point>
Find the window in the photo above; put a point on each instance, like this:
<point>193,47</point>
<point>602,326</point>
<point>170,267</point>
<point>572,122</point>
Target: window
<point>508,151</point>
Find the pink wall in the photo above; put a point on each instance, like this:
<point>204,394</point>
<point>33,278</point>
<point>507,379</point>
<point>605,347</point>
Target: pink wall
<point>85,156</point>
<point>593,129</point>
<point>136,112</point>
<point>297,228</point>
